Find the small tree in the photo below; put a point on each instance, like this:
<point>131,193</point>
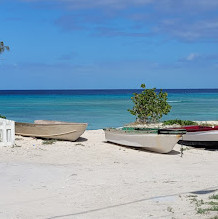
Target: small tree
<point>149,105</point>
<point>3,47</point>
<point>3,117</point>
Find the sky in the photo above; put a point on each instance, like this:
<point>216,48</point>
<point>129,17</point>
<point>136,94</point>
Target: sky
<point>109,44</point>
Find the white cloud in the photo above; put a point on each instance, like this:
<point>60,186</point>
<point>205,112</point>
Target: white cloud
<point>184,20</point>
<point>88,4</point>
<point>192,56</point>
<point>173,5</point>
<point>191,29</point>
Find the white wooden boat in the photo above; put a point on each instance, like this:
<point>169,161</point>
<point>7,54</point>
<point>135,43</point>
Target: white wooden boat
<point>51,130</point>
<point>149,140</point>
<point>201,138</point>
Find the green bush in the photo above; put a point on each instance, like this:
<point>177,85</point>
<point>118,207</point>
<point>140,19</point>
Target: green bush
<point>149,105</point>
<point>3,47</point>
<point>179,122</point>
<point>3,117</point>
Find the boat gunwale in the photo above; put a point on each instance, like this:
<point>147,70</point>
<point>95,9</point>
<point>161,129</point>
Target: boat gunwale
<point>140,132</point>
<point>51,124</point>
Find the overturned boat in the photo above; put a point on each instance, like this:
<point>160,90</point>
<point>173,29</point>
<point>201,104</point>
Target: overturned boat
<point>51,130</point>
<point>156,140</point>
<point>200,136</point>
<point>207,139</point>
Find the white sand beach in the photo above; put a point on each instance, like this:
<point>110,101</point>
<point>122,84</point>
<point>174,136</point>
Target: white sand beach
<point>94,179</point>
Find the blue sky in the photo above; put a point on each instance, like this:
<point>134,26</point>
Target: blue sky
<point>102,44</point>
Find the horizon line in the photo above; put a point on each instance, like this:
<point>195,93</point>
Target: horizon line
<point>107,89</point>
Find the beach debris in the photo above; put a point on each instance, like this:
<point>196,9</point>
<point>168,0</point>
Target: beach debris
<point>49,141</point>
<point>181,151</point>
<point>16,146</point>
<point>79,144</point>
<point>170,209</point>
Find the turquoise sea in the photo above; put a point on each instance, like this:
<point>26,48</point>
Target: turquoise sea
<point>102,108</point>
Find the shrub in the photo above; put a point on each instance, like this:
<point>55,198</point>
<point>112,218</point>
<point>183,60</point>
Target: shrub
<point>179,122</point>
<point>3,117</point>
<point>3,47</point>
<point>149,105</point>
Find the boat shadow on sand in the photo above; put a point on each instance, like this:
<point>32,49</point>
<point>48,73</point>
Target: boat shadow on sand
<point>80,139</point>
<point>173,152</point>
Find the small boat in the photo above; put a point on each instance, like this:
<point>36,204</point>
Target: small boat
<point>156,140</point>
<point>200,136</point>
<point>51,130</point>
<point>207,139</point>
<point>198,128</point>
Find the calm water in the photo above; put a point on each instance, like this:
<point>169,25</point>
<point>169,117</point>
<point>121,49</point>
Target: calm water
<point>101,108</point>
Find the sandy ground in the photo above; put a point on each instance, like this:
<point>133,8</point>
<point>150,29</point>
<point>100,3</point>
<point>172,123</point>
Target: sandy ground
<point>94,179</point>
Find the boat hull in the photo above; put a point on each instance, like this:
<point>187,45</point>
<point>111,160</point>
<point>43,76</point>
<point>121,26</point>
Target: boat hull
<point>201,136</point>
<point>201,139</point>
<point>51,130</point>
<point>198,128</point>
<point>160,143</point>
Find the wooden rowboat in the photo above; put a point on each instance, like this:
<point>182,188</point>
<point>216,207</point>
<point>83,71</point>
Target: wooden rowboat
<point>160,141</point>
<point>51,130</point>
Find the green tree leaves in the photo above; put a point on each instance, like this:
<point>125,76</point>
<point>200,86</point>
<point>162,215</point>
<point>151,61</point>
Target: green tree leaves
<point>149,105</point>
<point>3,47</point>
<point>3,117</point>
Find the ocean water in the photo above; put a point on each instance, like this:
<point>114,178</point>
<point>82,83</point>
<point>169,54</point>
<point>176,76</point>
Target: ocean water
<point>102,108</point>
